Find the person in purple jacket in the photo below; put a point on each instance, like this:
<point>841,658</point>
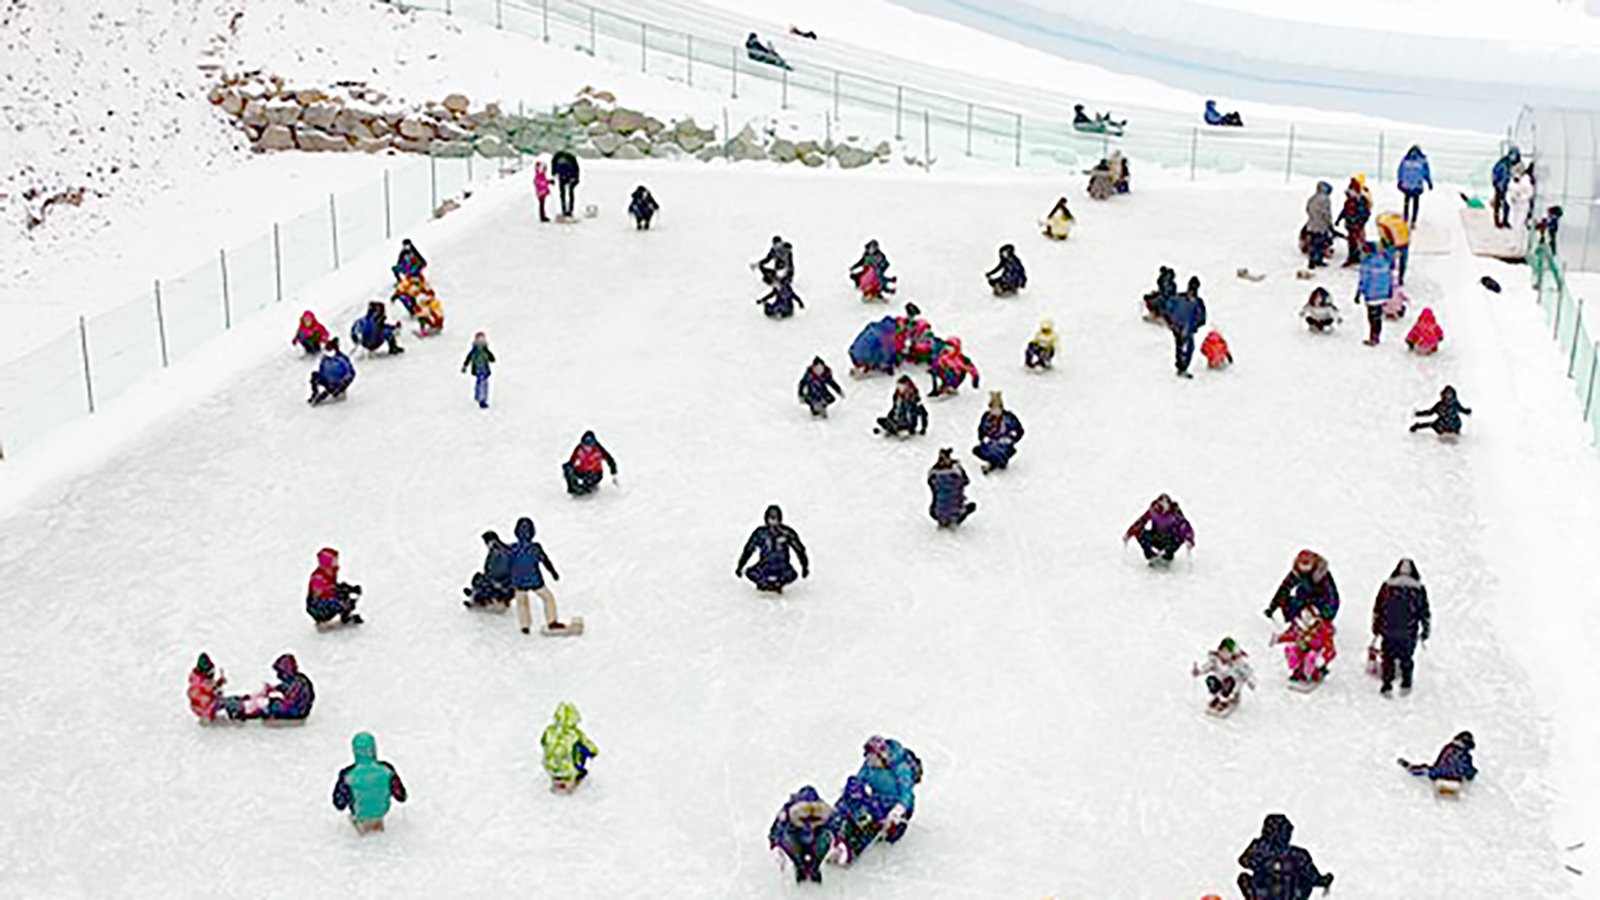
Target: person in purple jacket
<point>1161,529</point>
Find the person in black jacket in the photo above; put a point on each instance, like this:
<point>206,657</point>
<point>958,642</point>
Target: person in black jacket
<point>565,167</point>
<point>817,387</point>
<point>1008,276</point>
<point>1278,870</point>
<point>492,586</point>
<point>772,542</point>
<point>1448,412</point>
<point>1399,618</point>
<point>643,207</point>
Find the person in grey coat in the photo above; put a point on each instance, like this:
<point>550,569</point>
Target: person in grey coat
<point>1318,231</point>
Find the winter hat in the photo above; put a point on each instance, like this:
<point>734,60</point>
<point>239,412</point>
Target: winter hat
<point>480,338</point>
<point>872,245</point>
<point>1305,561</point>
<point>203,665</point>
<point>995,403</point>
<point>1007,249</point>
<point>332,345</point>
<point>1194,282</point>
<point>285,666</point>
<point>1228,645</point>
<point>1047,325</point>
<point>773,512</point>
<point>1465,740</point>
<point>817,361</point>
<point>877,746</point>
<point>912,311</point>
<point>1324,188</point>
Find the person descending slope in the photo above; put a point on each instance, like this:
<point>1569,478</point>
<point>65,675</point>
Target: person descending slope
<point>1310,648</point>
<point>948,482</point>
<point>1454,762</point>
<point>1226,671</point>
<point>311,334</point>
<point>1041,351</point>
<point>583,469</point>
<point>999,430</point>
<point>817,387</point>
<point>1008,276</point>
<point>567,750</point>
<point>1447,412</point>
<point>1161,530</point>
<point>327,597</point>
<point>1276,870</point>
<point>772,543</point>
<point>871,275</point>
<point>1308,584</point>
<point>800,836</point>
<point>333,375</point>
<point>365,786</point>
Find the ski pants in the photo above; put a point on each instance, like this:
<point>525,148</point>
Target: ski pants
<point>569,195</point>
<point>1411,207</point>
<point>542,216</point>
<point>1184,351</point>
<point>1355,239</point>
<point>1220,687</point>
<point>480,390</point>
<point>1162,542</point>
<point>1304,662</point>
<point>1038,356</point>
<point>524,617</point>
<point>1398,651</point>
<point>1375,320</point>
<point>578,481</point>
<point>1502,209</point>
<point>1319,248</point>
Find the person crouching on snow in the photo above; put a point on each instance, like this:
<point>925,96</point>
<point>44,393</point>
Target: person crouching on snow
<point>1041,351</point>
<point>772,542</point>
<point>1319,312</point>
<point>907,415</point>
<point>327,597</point>
<point>1226,670</point>
<point>582,470</point>
<point>1161,529</point>
<point>999,430</point>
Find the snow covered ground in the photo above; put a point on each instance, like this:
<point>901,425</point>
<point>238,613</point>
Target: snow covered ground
<point>1036,665</point>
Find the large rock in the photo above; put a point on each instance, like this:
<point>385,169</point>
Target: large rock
<point>309,97</point>
<point>783,151</point>
<point>413,128</point>
<point>746,146</point>
<point>690,141</point>
<point>654,126</point>
<point>424,145</point>
<point>255,113</point>
<point>642,141</point>
<point>801,148</point>
<point>380,127</point>
<point>372,144</point>
<point>232,103</point>
<point>851,157</point>
<point>628,151</point>
<point>607,143</point>
<point>883,150</point>
<point>493,146</point>
<point>276,137</point>
<point>457,103</point>
<point>707,154</point>
<point>813,159</point>
<point>281,112</point>
<point>319,115</point>
<point>585,112</point>
<point>584,151</point>
<point>452,148</point>
<point>626,120</point>
<point>317,141</point>
<point>449,131</point>
<point>666,149</point>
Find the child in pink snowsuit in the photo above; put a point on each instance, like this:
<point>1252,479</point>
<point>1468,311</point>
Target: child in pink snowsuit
<point>1425,335</point>
<point>541,188</point>
<point>1310,640</point>
<point>951,367</point>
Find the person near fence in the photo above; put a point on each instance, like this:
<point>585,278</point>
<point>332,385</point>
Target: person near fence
<point>1357,210</point>
<point>1374,288</point>
<point>478,361</point>
<point>311,335</point>
<point>1319,312</point>
<point>1317,235</point>
<point>1548,226</point>
<point>374,331</point>
<point>565,167</point>
<point>1412,179</point>
<point>1425,335</point>
<point>1501,175</point>
<point>642,207</point>
<point>1447,414</point>
<point>1213,117</point>
<point>1186,315</point>
<point>410,261</point>
<point>1008,276</point>
<point>763,53</point>
<point>333,374</point>
<point>541,188</point>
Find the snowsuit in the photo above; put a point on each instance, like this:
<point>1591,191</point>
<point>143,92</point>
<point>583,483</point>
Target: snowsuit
<point>1501,176</point>
<point>293,696</point>
<point>642,207</point>
<point>772,543</point>
<point>1185,314</point>
<point>874,348</point>
<point>890,776</point>
<point>1318,229</point>
<point>1400,616</point>
<point>778,264</point>
<point>430,315</point>
<point>1213,117</point>
<point>1375,288</point>
<point>326,595</point>
<point>907,414</point>
<point>816,389</point>
<point>915,340</point>
<point>311,335</point>
<point>951,367</point>
<point>203,686</point>
<point>949,486</point>
<point>1225,673</point>
<point>1008,276</point>
<point>410,262</point>
<point>1454,761</point>
<point>527,555</point>
<point>582,470</point>
<point>1448,411</point>
<point>332,377</point>
<point>1278,870</point>
<point>762,53</point>
<point>1215,349</point>
<point>998,434</point>
<point>1300,590</point>
<point>1412,177</point>
<point>1425,335</point>
<point>1310,649</point>
<point>1041,352</point>
<point>1319,313</point>
<point>779,303</point>
<point>365,786</point>
<point>541,188</point>
<point>408,290</point>
<point>1161,532</point>
<point>879,264</point>
<point>802,831</point>
<point>493,584</point>
<point>478,361</point>
<point>1058,225</point>
<point>1357,210</point>
<point>373,330</point>
<point>855,822</point>
<point>567,750</point>
<point>565,167</point>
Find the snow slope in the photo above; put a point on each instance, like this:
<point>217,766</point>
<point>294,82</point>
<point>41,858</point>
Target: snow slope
<point>1038,668</point>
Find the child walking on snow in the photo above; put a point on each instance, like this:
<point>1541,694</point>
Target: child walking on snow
<point>478,360</point>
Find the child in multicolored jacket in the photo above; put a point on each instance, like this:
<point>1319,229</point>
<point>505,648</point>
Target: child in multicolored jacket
<point>1310,650</point>
<point>1225,670</point>
<point>478,360</point>
<point>204,683</point>
<point>567,750</point>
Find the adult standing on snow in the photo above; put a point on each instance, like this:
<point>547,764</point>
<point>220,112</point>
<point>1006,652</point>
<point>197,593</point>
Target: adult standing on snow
<point>527,555</point>
<point>1277,870</point>
<point>1186,315</point>
<point>1399,618</point>
<point>772,543</point>
<point>1374,288</point>
<point>1309,583</point>
<point>1319,225</point>
<point>366,786</point>
<point>565,167</point>
<point>1412,179</point>
<point>1501,175</point>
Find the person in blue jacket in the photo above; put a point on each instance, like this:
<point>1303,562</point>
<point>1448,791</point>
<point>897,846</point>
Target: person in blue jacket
<point>1008,276</point>
<point>492,586</point>
<point>1454,761</point>
<point>642,207</point>
<point>999,430</point>
<point>373,330</point>
<point>890,774</point>
<point>1185,315</point>
<point>854,824</point>
<point>1412,179</point>
<point>527,555</point>
<point>332,375</point>
<point>874,348</point>
<point>365,786</point>
<point>1374,288</point>
<point>1213,117</point>
<point>817,387</point>
<point>948,482</point>
<point>801,835</point>
<point>1501,175</point>
<point>772,542</point>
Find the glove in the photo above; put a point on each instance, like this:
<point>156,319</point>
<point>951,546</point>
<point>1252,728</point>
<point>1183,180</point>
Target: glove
<point>782,859</point>
<point>805,571</point>
<point>738,571</point>
<point>1267,612</point>
<point>1326,881</point>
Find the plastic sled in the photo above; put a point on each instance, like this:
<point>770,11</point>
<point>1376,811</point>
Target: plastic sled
<point>574,628</point>
<point>1101,126</point>
<point>1225,710</point>
<point>1305,687</point>
<point>1448,787</point>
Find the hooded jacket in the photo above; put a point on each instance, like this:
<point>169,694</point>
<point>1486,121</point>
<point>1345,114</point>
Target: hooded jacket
<point>818,388</point>
<point>589,455</point>
<point>773,543</point>
<point>1319,210</point>
<point>365,786</point>
<point>1168,521</point>
<point>1377,278</point>
<point>1448,409</point>
<point>1185,314</point>
<point>564,166</point>
<point>1401,611</point>
<point>311,332</point>
<point>336,370</point>
<point>1278,870</point>
<point>889,777</point>
<point>802,822</point>
<point>526,558</point>
<point>1298,590</point>
<point>561,741</point>
<point>1215,349</point>
<point>1455,760</point>
<point>295,688</point>
<point>324,583</point>
<point>541,181</point>
<point>1046,337</point>
<point>643,205</point>
<point>1426,334</point>
<point>203,691</point>
<point>949,486</point>
<point>1414,173</point>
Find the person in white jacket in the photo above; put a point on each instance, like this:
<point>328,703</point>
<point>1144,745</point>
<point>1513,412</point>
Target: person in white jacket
<point>1226,670</point>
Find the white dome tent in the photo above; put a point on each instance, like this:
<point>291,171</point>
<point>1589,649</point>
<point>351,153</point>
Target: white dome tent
<point>1564,145</point>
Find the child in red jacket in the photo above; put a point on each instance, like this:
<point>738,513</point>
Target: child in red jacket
<point>311,335</point>
<point>1310,650</point>
<point>1215,348</point>
<point>204,683</point>
<point>1425,335</point>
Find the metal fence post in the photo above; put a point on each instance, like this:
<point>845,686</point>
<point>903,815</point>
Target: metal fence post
<point>277,263</point>
<point>591,32</point>
<point>727,133</point>
<point>498,21</point>
<point>333,229</point>
<point>1288,159</point>
<point>899,95</point>
<point>1577,332</point>
<point>1019,141</point>
<point>927,152</point>
<point>1561,297</point>
<point>969,129</point>
<point>1594,369</point>
<point>836,93</point>
<point>388,229</point>
<point>433,183</point>
<point>644,41</point>
<point>227,301</point>
<point>784,103</point>
<point>161,325</point>
<point>1379,175</point>
<point>545,7</point>
<point>447,10</point>
<point>689,58</point>
<point>83,344</point>
<point>1194,148</point>
<point>734,73</point>
<point>469,167</point>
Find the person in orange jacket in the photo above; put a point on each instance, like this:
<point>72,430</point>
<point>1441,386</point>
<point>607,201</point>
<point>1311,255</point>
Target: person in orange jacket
<point>1216,351</point>
<point>1425,335</point>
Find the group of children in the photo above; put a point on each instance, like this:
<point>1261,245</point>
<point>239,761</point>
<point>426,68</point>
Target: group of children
<point>876,804</point>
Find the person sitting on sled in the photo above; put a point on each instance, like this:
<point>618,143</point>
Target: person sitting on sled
<point>333,374</point>
<point>204,683</point>
<point>872,259</point>
<point>890,773</point>
<point>1310,646</point>
<point>1454,761</point>
<point>1226,670</point>
<point>950,367</point>
<point>999,430</point>
<point>948,482</point>
<point>366,786</point>
<point>1213,117</point>
<point>1447,412</point>
<point>642,207</point>
<point>1118,165</point>
<point>873,350</point>
<point>817,387</point>
<point>1309,583</point>
<point>1041,352</point>
<point>1058,225</point>
<point>1276,869</point>
<point>1161,529</point>
<point>567,750</point>
<point>408,289</point>
<point>1319,312</point>
<point>763,53</point>
<point>906,415</point>
<point>779,303</point>
<point>1426,334</point>
<point>1008,276</point>
<point>327,597</point>
<point>1215,349</point>
<point>430,314</point>
<point>311,335</point>
<point>291,698</point>
<point>492,586</point>
<point>801,835</point>
<point>913,336</point>
<point>373,331</point>
<point>772,542</point>
<point>410,262</point>
<point>582,470</point>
